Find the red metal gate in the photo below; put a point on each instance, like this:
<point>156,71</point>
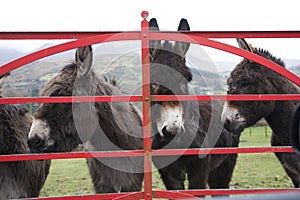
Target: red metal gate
<point>201,38</point>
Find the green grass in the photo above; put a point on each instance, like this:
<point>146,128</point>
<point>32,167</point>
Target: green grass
<point>68,177</point>
<point>258,170</point>
<point>71,177</point>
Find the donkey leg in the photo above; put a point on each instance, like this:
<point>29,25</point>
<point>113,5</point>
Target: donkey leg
<point>197,172</point>
<point>291,165</point>
<point>99,189</point>
<point>133,182</point>
<point>221,176</point>
<point>173,178</point>
<point>102,176</point>
<point>289,161</point>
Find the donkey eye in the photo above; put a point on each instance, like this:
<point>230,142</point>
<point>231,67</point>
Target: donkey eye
<point>245,84</point>
<point>154,85</point>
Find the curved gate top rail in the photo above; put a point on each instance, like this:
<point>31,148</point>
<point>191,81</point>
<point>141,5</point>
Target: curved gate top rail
<point>88,38</point>
<point>109,37</point>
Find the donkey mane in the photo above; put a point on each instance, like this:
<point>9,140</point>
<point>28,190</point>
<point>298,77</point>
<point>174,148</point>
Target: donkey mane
<point>268,55</point>
<point>112,80</point>
<point>167,46</point>
<point>69,66</point>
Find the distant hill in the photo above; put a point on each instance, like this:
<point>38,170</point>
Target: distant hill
<point>66,54</point>
<point>293,66</point>
<point>9,54</point>
<point>208,77</point>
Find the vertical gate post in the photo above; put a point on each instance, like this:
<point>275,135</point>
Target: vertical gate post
<point>146,107</point>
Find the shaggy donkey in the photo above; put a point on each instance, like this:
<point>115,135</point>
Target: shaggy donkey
<point>249,77</point>
<point>184,125</point>
<point>99,126</point>
<point>23,178</point>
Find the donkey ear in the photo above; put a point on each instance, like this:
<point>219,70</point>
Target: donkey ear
<point>84,60</point>
<point>4,75</point>
<point>245,45</point>
<point>182,47</point>
<point>3,78</point>
<point>154,44</point>
<point>153,25</point>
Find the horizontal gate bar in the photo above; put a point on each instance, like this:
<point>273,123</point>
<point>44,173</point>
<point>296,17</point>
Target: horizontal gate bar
<point>127,153</point>
<point>234,97</point>
<point>207,34</point>
<point>68,99</point>
<point>135,98</point>
<point>177,193</point>
<point>61,35</point>
<point>228,150</point>
<point>83,197</point>
<point>238,191</point>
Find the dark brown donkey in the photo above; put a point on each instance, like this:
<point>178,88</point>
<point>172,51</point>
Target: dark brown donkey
<point>184,125</point>
<point>20,179</point>
<point>249,77</point>
<point>99,126</point>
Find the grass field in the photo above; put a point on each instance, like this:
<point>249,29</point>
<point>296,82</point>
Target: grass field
<point>70,177</point>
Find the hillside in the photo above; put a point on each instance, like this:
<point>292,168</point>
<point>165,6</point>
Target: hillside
<point>9,54</point>
<point>125,67</point>
<point>28,80</point>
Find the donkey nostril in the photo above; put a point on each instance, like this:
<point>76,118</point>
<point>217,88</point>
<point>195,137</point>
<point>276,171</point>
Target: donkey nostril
<point>36,143</point>
<point>227,121</point>
<point>237,115</point>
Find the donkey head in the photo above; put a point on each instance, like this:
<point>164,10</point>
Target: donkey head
<point>249,77</point>
<point>169,75</point>
<point>53,128</point>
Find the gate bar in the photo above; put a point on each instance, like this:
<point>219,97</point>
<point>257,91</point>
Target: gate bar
<point>135,98</point>
<point>146,106</point>
<point>72,35</point>
<point>162,152</point>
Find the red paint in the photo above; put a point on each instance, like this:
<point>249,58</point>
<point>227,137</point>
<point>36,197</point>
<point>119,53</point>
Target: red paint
<point>196,37</point>
<point>68,99</point>
<point>146,107</point>
<point>125,153</point>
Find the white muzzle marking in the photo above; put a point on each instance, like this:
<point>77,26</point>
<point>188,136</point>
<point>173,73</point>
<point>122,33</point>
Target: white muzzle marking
<point>41,129</point>
<point>231,114</point>
<point>171,119</point>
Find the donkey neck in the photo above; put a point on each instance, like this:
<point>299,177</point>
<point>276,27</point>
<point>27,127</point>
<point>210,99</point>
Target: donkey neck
<point>279,120</point>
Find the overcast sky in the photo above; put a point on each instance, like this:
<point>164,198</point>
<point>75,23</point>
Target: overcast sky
<point>124,15</point>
